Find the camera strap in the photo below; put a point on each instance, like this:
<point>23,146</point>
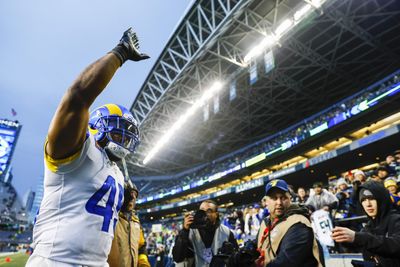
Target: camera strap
<point>268,229</point>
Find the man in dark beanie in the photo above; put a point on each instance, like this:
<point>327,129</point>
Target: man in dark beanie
<point>380,238</point>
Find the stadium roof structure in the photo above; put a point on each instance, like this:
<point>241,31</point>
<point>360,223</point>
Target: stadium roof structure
<point>338,49</point>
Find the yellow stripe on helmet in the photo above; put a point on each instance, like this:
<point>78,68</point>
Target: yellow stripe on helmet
<point>93,131</point>
<point>114,109</point>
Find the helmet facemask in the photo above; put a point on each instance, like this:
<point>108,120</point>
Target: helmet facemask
<point>122,135</point>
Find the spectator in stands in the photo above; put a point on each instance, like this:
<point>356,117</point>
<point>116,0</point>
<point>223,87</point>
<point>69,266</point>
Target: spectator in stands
<point>292,193</point>
<point>332,189</point>
<point>382,172</point>
<point>342,186</point>
<point>380,238</point>
<point>128,247</point>
<point>397,160</point>
<point>201,243</point>
<point>229,220</point>
<point>397,156</point>
<point>259,213</point>
<point>302,196</point>
<point>392,187</point>
<point>343,194</point>
<point>391,164</point>
<point>160,254</point>
<point>321,199</point>
<point>252,221</point>
<point>264,207</point>
<point>390,159</point>
<point>239,223</point>
<point>151,243</point>
<point>235,222</point>
<point>286,237</point>
<point>359,177</point>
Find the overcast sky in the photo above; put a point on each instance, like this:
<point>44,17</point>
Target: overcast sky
<point>45,44</point>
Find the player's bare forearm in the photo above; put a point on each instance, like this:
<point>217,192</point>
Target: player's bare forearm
<point>68,128</point>
<point>92,81</point>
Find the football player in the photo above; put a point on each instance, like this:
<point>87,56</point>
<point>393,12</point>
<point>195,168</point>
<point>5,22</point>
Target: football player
<point>83,186</point>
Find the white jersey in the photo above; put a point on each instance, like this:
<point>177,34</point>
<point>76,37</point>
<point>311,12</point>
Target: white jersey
<point>322,226</point>
<point>79,210</point>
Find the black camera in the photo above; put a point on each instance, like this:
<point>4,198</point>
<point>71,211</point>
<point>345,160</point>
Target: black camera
<point>228,256</point>
<point>199,219</point>
<point>225,256</point>
<point>247,254</point>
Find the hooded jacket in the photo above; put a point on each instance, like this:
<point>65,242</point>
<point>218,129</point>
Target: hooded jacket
<point>380,238</point>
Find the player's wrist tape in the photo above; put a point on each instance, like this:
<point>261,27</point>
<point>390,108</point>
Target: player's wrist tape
<point>121,52</point>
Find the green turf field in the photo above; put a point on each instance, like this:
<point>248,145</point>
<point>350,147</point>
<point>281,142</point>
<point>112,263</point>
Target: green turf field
<point>17,260</point>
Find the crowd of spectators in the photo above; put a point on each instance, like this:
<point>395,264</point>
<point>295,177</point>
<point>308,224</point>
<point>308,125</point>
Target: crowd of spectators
<point>13,240</point>
<point>299,131</point>
<point>336,196</point>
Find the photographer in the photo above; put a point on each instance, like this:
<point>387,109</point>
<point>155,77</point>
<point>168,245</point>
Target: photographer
<point>201,237</point>
<point>286,237</point>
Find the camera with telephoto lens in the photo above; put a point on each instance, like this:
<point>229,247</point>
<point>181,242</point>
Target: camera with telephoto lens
<point>248,254</point>
<point>199,219</point>
<point>224,257</point>
<point>228,256</point>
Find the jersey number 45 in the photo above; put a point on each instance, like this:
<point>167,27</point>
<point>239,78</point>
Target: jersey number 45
<point>106,211</point>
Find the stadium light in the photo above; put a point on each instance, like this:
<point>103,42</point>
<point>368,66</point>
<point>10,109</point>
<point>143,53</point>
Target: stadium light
<point>267,42</point>
<point>270,40</point>
<point>283,27</point>
<point>217,86</point>
<point>315,3</point>
<point>301,12</point>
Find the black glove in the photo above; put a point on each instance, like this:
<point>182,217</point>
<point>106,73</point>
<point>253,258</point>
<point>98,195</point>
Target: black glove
<point>128,48</point>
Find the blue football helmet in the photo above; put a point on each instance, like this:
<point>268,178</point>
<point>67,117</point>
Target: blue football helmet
<point>117,125</point>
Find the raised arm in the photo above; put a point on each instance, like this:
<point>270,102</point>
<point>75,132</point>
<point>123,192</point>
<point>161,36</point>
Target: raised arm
<point>67,129</point>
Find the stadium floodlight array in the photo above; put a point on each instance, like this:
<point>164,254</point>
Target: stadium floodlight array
<point>216,87</point>
<point>284,27</point>
<point>267,42</point>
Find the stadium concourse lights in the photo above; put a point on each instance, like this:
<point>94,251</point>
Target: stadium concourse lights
<point>272,39</point>
<point>217,86</point>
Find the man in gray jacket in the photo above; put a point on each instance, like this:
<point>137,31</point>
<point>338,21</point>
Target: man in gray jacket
<point>322,198</point>
<point>200,237</point>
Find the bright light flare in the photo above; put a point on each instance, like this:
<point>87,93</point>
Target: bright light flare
<point>316,3</point>
<point>283,27</point>
<point>302,12</point>
<point>267,42</point>
<point>215,88</point>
